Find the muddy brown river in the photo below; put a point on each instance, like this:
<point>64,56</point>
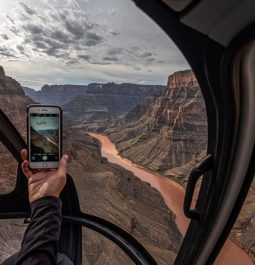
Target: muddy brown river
<point>173,195</point>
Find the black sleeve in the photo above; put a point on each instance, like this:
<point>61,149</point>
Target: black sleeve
<point>39,245</point>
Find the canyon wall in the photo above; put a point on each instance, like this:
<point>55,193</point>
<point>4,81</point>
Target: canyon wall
<point>13,103</point>
<point>104,189</point>
<point>172,131</point>
<point>61,94</point>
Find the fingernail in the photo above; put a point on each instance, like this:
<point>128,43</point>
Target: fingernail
<point>66,157</point>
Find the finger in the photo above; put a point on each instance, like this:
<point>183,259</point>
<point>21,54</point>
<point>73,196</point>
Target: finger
<point>63,164</point>
<point>26,170</point>
<point>24,154</point>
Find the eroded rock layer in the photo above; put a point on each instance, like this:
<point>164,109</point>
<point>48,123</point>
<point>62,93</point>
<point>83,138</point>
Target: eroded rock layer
<point>13,103</point>
<point>105,190</point>
<point>172,132</point>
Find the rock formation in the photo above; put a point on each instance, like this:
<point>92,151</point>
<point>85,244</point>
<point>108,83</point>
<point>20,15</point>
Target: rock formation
<point>13,102</point>
<point>105,102</point>
<point>110,192</point>
<point>55,94</point>
<point>61,94</point>
<point>9,86</point>
<point>154,133</point>
<point>104,189</point>
<point>172,132</point>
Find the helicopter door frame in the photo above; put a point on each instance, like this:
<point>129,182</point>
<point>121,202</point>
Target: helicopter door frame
<point>211,64</point>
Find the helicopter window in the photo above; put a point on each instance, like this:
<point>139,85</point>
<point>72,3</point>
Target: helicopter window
<point>130,92</point>
<point>242,234</point>
<point>100,250</point>
<point>8,171</point>
<point>243,231</point>
<point>11,234</point>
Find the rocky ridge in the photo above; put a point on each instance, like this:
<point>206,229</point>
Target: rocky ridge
<point>104,189</point>
<point>168,134</point>
<point>172,131</point>
<point>13,103</point>
<point>61,94</point>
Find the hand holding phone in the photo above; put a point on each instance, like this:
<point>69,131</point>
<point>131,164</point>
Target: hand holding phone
<point>44,183</point>
<point>44,136</point>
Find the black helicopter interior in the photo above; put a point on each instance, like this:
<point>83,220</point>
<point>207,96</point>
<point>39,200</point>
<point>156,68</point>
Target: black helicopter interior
<point>226,82</point>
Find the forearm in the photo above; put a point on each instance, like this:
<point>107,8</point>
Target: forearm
<point>39,245</point>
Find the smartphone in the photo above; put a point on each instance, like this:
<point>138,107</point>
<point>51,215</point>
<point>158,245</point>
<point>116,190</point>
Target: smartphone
<point>44,136</point>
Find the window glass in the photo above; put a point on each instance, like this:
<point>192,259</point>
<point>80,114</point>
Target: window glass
<point>239,248</point>
<point>134,116</point>
<point>11,234</point>
<point>100,250</point>
<point>8,171</point>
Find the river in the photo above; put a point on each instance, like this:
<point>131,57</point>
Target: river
<point>173,195</point>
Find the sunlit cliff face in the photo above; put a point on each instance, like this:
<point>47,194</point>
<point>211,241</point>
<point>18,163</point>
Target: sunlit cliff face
<point>83,41</point>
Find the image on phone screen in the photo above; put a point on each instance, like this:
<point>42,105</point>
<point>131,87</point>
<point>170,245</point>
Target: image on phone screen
<point>44,133</point>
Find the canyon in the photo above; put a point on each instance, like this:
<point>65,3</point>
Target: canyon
<point>170,132</point>
<point>93,101</point>
<point>163,129</point>
<point>104,190</point>
<point>173,195</point>
<point>167,134</point>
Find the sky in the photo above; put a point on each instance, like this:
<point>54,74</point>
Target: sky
<point>45,123</point>
<point>83,41</point>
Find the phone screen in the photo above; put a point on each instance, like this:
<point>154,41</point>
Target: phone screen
<point>44,135</point>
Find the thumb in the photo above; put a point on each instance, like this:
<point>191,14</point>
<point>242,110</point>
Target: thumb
<point>63,164</point>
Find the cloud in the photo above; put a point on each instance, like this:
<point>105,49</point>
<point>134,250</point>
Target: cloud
<point>92,39</point>
<point>4,36</point>
<point>73,36</point>
<point>33,28</point>
<point>84,57</point>
<point>4,51</point>
<point>10,19</point>
<point>28,10</point>
<point>20,48</point>
<point>115,51</point>
<point>111,59</point>
<point>66,34</point>
<point>99,35</point>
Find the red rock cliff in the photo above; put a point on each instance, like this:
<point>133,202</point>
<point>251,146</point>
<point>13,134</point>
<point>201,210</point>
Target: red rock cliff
<point>173,130</point>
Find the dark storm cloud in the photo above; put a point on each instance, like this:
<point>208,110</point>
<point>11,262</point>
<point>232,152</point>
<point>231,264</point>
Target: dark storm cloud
<point>70,35</point>
<point>14,30</point>
<point>59,35</point>
<point>28,10</point>
<point>40,45</point>
<point>84,57</point>
<point>146,55</point>
<point>115,33</point>
<point>65,31</point>
<point>115,51</point>
<point>6,52</point>
<point>129,55</point>
<point>71,62</point>
<point>4,36</point>
<point>150,60</point>
<point>20,48</point>
<point>75,28</point>
<point>92,39</point>
<point>10,19</point>
<point>111,59</point>
<point>33,28</point>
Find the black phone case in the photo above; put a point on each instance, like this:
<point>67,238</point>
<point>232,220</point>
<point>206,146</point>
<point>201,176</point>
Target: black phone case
<point>61,126</point>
